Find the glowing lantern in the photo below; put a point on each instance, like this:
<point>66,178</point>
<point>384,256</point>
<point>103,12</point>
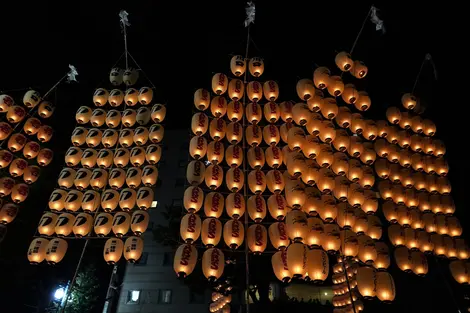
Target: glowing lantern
<point>254,135</point>
<point>219,83</point>
<point>214,204</point>
<point>103,224</point>
<point>31,174</point>
<point>238,65</point>
<point>274,157</point>
<point>364,102</point>
<point>277,206</point>
<point>233,233</point>
<point>396,235</point>
<point>462,248</point>
<point>116,97</point>
<point>8,213</point>
<point>233,155</point>
<point>16,142</point>
<point>234,132</point>
<point>256,66</point>
<point>367,250</point>
<point>82,225</point>
<point>295,193</point>
<point>19,193</point>
<point>64,224</point>
<point>185,260</point>
<point>15,114</point>
<point>37,250</point>
<point>325,156</point>
<point>195,172</point>
<point>234,178</point>
<point>254,91</point>
<point>327,132</point>
<point>374,229</point>
<point>235,111</point>
<point>110,138</point>
<point>317,265</point>
<point>332,240</point>
<point>130,98</point>
<point>211,232</point>
<point>257,238</point>
<point>355,146</point>
<point>297,259</point>
<point>190,227</point>
<point>5,103</point>
<point>256,208</point>
<point>56,250</point>
<point>129,78</point>
<point>218,106</point>
<point>112,250</point>
<point>153,154</point>
<point>47,224</point>
<point>5,130</point>
<point>213,263</point>
<point>104,159</point>
<point>321,77</point>
<point>133,247</point>
<point>127,199</point>
<point>385,287</point>
<point>305,89</point>
<point>355,195</point>
<point>439,148</point>
<point>93,137</point>
<point>217,129</point>
<point>82,179</point>
<point>17,167</point>
<point>133,177</point>
<point>109,200</point>
<point>199,124</point>
<point>460,271</point>
<point>235,205</point>
<point>193,198</point>
<point>329,108</point>
<point>429,128</point>
<point>158,113</point>
<point>90,201</point>
<point>296,225</point>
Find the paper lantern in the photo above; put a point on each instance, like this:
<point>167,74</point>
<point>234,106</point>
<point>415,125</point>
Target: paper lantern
<point>130,77</point>
<point>145,197</point>
<point>5,130</point>
<point>139,222</point>
<point>215,152</point>
<point>325,156</point>
<point>321,77</point>
<point>219,106</point>
<point>217,129</point>
<point>274,157</point>
<point>234,132</point>
<point>16,142</point>
<point>195,172</point>
<point>254,91</point>
<point>364,102</point>
<point>439,148</point>
<point>82,225</point>
<point>112,250</point>
<point>109,138</point>
<point>219,83</point>
<point>335,86</point>
<point>211,232</point>
<point>45,109</point>
<point>5,103</point>
<point>88,158</point>
<point>37,250</point>
<point>317,265</point>
<point>327,132</point>
<point>462,248</point>
<point>355,195</point>
<point>109,199</point>
<point>33,125</point>
<point>233,234</point>
<point>8,213</point>
<point>127,199</point>
<point>31,174</point>
<point>271,134</point>
<point>133,177</point>
<point>385,287</point>
<point>256,66</point>
<point>15,114</point>
<point>459,270</point>
<point>358,69</point>
<point>297,225</point>
<point>329,108</point>
<point>235,111</point>
<point>254,135</point>
<point>190,227</point>
<point>213,263</point>
<point>45,157</point>
<point>295,193</point>
<point>277,206</point>
<point>256,208</point>
<point>113,118</point>
<point>100,97</point>
<point>234,178</point>
<point>280,266</point>
<point>326,180</point>
<point>199,124</point>
<point>193,198</point>
<point>121,223</point>
<point>297,259</point>
<point>367,251</point>
<point>47,224</point>
<point>142,134</point>
<point>6,157</point>
<point>305,89</point>
<point>121,157</point>
<point>214,204</point>
<point>331,241</point>
<point>64,224</point>
<point>185,260</point>
<point>237,65</point>
<point>103,224</point>
<point>133,247</point>
<point>56,250</point>
<point>254,114</point>
<point>19,193</point>
<point>104,159</point>
<point>117,178</point>
<point>17,167</point>
<point>429,128</point>
<point>82,179</point>
<point>158,113</point>
<point>131,97</point>
<point>366,279</point>
<point>93,137</point>
<point>343,61</point>
<point>257,238</point>
<point>116,97</point>
<point>256,181</point>
<point>90,201</point>
<point>275,181</point>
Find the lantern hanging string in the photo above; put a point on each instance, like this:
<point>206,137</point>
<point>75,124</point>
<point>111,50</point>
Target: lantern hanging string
<point>428,58</point>
<point>360,31</point>
<point>143,72</point>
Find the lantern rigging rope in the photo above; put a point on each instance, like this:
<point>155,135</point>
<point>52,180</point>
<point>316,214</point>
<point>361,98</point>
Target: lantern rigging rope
<point>360,31</point>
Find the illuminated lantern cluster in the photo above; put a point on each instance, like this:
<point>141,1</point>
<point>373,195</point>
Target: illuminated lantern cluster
<point>105,189</point>
<point>220,302</point>
<point>23,140</point>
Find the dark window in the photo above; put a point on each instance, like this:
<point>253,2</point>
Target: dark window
<point>177,203</point>
<point>167,259</point>
<point>143,259</point>
<point>164,296</point>
<point>180,182</point>
<point>196,298</point>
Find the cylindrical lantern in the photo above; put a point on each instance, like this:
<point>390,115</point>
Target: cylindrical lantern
<point>213,263</point>
<point>257,238</point>
<point>133,249</point>
<point>366,279</point>
<point>56,250</point>
<point>219,83</point>
<point>109,200</point>
<point>103,224</point>
<point>211,232</point>
<point>190,227</point>
<point>256,66</point>
<point>256,207</point>
<point>37,250</point>
<point>297,259</point>
<point>238,65</point>
<point>82,225</point>
<point>64,224</point>
<point>47,224</point>
<point>112,251</point>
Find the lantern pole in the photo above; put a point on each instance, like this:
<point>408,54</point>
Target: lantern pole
<point>72,282</point>
<point>124,22</point>
<point>245,195</point>
<point>347,282</point>
<point>360,31</point>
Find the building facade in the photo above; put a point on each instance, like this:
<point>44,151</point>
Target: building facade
<point>151,285</point>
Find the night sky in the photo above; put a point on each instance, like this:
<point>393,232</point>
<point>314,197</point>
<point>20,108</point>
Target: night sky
<point>180,45</point>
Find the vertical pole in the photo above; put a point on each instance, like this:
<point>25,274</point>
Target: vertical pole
<point>247,266</point>
<point>125,44</point>
<point>360,31</point>
<point>419,74</point>
<point>111,290</point>
<point>347,282</point>
<point>72,282</point>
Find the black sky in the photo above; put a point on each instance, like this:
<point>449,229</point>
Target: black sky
<point>179,45</point>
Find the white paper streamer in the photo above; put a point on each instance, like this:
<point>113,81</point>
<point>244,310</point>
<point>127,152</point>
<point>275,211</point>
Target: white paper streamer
<point>124,20</point>
<point>379,24</point>
<point>72,74</point>
<point>250,13</point>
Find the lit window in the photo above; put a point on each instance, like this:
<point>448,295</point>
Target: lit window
<point>133,296</point>
<point>165,296</point>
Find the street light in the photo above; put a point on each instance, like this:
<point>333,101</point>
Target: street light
<point>59,293</point>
